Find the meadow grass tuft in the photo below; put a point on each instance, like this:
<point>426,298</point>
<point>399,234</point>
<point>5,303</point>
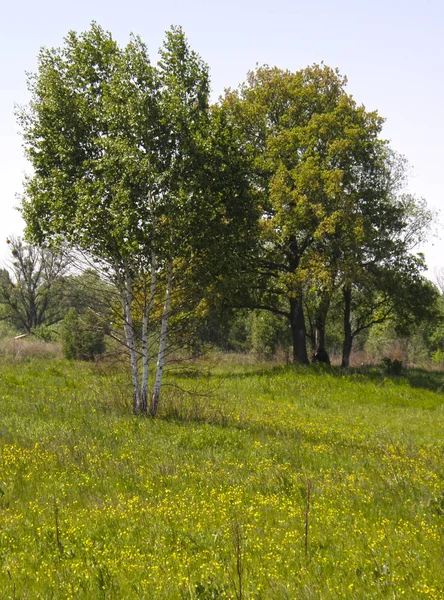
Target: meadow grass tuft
<point>267,482</point>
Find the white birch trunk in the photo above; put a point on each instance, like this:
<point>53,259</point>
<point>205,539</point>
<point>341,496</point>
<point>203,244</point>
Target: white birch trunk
<point>162,345</point>
<point>146,314</point>
<point>127,300</point>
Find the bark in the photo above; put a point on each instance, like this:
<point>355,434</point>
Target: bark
<point>145,321</point>
<point>298,333</point>
<point>320,353</point>
<point>139,403</point>
<point>348,336</point>
<point>162,346</point>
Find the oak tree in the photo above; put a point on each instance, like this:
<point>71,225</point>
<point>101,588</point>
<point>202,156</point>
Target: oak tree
<point>318,167</point>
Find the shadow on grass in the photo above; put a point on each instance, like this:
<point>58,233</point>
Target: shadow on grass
<point>432,380</point>
<point>216,416</point>
<point>417,378</point>
<point>255,371</point>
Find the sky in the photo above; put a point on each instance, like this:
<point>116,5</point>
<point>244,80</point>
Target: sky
<point>391,51</point>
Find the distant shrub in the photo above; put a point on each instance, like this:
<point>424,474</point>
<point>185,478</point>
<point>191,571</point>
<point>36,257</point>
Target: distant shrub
<point>83,336</point>
<point>269,332</point>
<point>393,367</point>
<point>438,358</point>
<point>45,333</point>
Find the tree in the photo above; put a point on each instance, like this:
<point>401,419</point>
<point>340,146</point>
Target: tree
<point>321,174</point>
<point>33,293</point>
<point>90,133</point>
<point>124,156</point>
<point>401,296</point>
<point>381,275</point>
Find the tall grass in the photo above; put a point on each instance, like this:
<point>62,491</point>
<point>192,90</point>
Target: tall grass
<point>28,347</point>
<point>268,482</point>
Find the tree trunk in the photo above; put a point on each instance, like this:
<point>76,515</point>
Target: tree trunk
<point>348,336</point>
<point>320,354</point>
<point>162,346</point>
<point>139,403</point>
<point>298,333</point>
<point>145,321</point>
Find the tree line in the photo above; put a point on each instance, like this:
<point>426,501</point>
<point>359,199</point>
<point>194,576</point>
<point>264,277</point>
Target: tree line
<point>280,197</point>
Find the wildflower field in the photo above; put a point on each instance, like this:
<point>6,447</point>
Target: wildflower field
<point>267,482</point>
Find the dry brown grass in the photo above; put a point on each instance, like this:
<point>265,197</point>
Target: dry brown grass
<point>29,347</point>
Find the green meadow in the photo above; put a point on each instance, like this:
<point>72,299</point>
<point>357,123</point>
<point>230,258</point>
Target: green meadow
<point>256,481</point>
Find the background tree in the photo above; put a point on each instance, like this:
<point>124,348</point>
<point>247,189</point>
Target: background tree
<point>381,276</point>
<point>33,292</point>
<point>404,298</point>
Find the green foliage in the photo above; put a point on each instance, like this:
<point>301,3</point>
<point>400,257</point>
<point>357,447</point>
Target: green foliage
<point>45,333</point>
<point>434,328</point>
<point>229,330</point>
<point>6,327</point>
<point>268,333</point>
<point>239,332</point>
<point>83,335</point>
<point>438,358</point>
<point>89,291</point>
<point>91,103</point>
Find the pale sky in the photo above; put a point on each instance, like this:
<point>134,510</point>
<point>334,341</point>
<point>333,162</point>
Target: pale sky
<point>392,52</point>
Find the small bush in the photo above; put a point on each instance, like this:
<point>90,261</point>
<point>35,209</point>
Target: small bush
<point>393,367</point>
<point>269,332</point>
<point>438,358</point>
<point>83,336</point>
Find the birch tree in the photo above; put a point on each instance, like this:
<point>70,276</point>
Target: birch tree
<point>92,137</point>
<point>124,157</point>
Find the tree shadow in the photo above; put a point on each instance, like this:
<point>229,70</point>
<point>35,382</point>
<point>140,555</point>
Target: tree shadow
<point>258,371</point>
<point>427,379</point>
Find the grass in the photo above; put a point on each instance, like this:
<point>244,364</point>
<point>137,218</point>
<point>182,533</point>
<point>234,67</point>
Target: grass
<point>269,482</point>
